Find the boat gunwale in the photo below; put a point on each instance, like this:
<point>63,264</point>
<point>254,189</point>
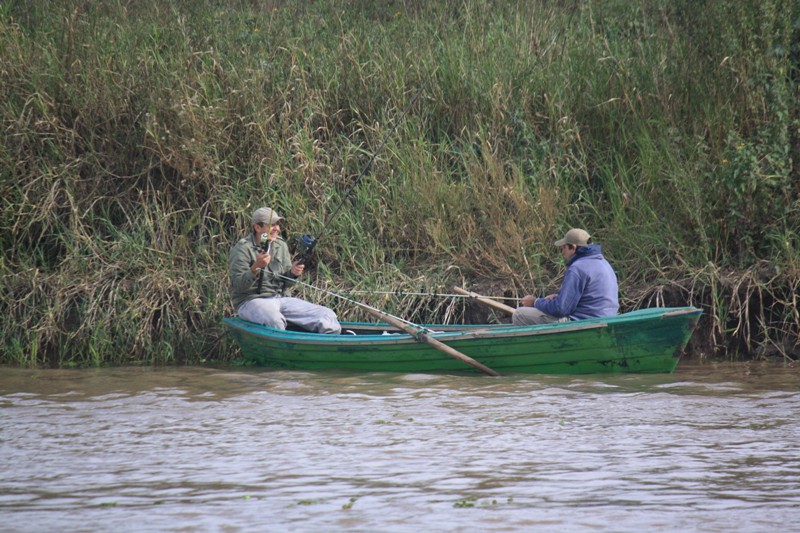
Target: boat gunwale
<point>470,331</point>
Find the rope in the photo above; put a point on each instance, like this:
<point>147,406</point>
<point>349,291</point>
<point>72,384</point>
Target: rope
<point>399,293</point>
<point>432,294</point>
<point>360,304</point>
<point>421,329</point>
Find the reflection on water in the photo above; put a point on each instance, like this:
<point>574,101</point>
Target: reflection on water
<point>709,448</point>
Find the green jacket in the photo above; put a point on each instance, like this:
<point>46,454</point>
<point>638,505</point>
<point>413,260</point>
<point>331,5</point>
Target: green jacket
<point>243,285</point>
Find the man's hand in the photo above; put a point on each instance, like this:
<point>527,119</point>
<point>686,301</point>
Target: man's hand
<point>262,260</point>
<point>297,268</point>
<point>527,301</point>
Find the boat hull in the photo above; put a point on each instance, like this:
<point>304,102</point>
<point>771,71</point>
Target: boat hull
<point>643,341</point>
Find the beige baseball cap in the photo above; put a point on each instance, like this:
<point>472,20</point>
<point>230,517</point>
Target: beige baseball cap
<point>575,236</point>
<point>265,215</point>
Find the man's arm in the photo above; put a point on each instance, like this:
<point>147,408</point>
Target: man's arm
<point>567,298</point>
<point>240,270</point>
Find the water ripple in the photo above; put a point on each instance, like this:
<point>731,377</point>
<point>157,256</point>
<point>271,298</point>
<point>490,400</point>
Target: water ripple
<point>221,450</point>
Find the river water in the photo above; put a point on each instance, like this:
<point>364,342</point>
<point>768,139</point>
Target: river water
<point>709,448</point>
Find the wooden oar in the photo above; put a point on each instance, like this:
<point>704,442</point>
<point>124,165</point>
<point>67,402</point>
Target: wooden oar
<point>415,331</point>
<point>421,336</point>
<point>487,301</point>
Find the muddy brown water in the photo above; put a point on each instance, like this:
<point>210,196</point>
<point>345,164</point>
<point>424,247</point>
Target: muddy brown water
<point>713,447</point>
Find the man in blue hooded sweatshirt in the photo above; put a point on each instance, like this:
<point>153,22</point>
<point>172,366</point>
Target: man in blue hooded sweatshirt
<point>589,289</point>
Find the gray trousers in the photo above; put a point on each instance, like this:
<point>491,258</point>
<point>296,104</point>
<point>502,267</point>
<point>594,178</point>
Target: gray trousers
<point>277,311</point>
<point>528,316</point>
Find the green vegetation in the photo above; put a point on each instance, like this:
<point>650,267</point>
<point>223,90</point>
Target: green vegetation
<point>138,137</point>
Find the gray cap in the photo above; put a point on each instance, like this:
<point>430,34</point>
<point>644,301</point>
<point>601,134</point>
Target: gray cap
<point>575,236</point>
<point>265,215</point>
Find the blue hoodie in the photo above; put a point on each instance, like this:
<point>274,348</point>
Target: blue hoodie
<point>589,288</point>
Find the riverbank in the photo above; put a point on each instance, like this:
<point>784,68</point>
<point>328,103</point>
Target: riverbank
<point>138,138</point>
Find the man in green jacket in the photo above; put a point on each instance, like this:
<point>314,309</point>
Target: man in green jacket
<point>259,279</point>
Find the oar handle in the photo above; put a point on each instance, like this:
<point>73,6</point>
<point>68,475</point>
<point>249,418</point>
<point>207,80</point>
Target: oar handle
<point>487,301</point>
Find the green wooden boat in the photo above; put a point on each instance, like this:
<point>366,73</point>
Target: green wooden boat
<point>647,340</point>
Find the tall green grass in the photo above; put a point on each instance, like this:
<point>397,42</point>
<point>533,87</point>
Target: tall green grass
<point>139,136</point>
